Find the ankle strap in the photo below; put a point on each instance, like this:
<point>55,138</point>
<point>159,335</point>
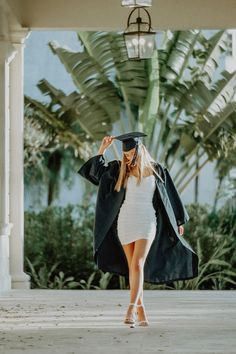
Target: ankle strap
<point>132,303</point>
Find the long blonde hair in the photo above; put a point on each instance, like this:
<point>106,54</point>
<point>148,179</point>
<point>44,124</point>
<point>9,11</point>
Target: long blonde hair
<point>143,160</point>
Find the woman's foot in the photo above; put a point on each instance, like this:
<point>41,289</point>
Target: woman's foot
<point>131,314</point>
<point>142,318</point>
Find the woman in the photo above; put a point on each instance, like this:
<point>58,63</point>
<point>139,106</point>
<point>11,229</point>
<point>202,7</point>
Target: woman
<point>133,219</point>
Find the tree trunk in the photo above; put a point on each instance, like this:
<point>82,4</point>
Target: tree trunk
<point>54,166</point>
<point>196,182</point>
<point>217,194</point>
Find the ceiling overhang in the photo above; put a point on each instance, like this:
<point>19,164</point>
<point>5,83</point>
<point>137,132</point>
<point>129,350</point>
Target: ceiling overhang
<point>109,15</point>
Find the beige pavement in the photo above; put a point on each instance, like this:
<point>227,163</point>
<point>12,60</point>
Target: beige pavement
<point>87,321</point>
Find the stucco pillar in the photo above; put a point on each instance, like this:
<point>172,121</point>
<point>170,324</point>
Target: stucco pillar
<point>6,55</point>
<point>19,279</point>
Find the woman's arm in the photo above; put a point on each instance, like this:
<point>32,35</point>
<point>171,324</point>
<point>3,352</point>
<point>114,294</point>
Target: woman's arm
<point>94,168</point>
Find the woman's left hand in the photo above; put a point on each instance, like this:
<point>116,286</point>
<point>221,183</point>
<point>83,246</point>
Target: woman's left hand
<point>181,229</point>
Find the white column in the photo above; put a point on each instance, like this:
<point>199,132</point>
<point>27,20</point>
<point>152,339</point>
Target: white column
<point>6,54</point>
<point>19,279</point>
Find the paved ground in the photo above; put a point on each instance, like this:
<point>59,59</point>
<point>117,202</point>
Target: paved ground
<point>91,321</point>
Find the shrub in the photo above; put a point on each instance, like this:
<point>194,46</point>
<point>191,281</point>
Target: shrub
<point>62,236</point>
<point>59,249</point>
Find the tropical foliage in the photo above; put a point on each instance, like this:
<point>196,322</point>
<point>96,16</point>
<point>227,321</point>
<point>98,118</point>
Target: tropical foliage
<point>212,236</point>
<point>226,188</point>
<point>182,98</point>
<point>59,250</point>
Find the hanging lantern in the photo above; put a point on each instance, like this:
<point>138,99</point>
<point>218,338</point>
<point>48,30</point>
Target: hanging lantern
<point>139,39</point>
<point>133,3</point>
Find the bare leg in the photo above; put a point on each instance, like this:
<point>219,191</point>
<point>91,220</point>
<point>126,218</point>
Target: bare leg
<point>129,250</point>
<point>136,253</point>
<point>141,249</point>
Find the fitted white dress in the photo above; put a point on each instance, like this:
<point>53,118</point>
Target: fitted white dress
<point>137,218</point>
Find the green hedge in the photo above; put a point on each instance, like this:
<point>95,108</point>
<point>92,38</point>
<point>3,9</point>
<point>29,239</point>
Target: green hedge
<point>60,236</point>
<point>59,249</point>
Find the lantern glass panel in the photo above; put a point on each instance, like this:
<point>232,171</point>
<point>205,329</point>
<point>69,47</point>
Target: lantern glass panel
<point>140,46</point>
<point>133,3</point>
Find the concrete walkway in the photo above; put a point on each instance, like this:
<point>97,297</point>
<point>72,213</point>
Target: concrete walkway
<point>91,321</point>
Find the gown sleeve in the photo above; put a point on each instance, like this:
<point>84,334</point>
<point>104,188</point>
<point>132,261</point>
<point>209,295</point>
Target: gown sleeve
<point>93,169</point>
<point>180,211</point>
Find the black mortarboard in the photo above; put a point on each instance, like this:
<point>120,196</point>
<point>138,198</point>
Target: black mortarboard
<point>130,140</point>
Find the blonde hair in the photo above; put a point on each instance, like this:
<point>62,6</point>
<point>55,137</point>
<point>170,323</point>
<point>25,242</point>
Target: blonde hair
<point>143,160</point>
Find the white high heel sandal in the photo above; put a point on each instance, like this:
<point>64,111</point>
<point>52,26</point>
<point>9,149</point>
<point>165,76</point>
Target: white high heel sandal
<point>131,318</point>
<point>143,323</point>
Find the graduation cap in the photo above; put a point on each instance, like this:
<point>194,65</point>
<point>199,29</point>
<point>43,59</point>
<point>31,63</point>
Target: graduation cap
<point>130,140</point>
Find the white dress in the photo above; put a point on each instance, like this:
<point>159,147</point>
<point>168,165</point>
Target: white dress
<point>137,218</point>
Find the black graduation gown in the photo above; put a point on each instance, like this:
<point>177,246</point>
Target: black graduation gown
<point>170,256</point>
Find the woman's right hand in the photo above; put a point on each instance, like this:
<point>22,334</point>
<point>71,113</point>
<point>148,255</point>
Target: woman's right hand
<point>106,141</point>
